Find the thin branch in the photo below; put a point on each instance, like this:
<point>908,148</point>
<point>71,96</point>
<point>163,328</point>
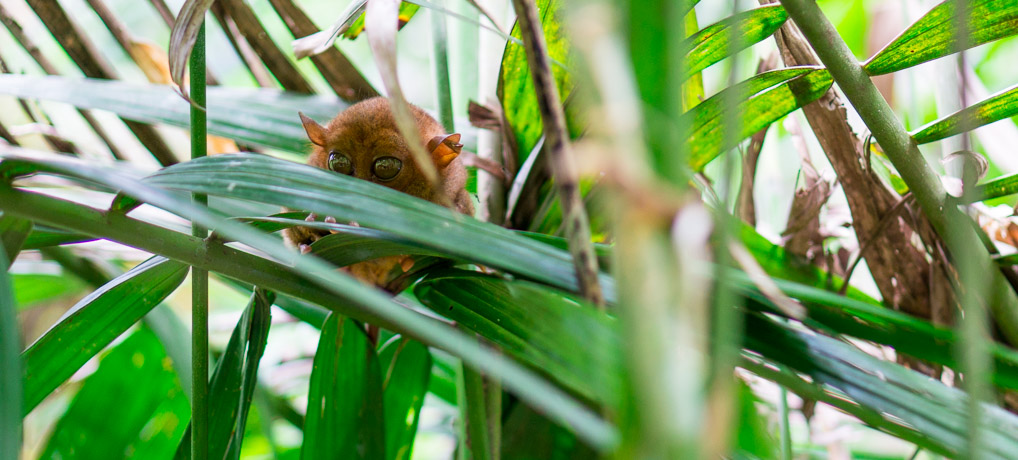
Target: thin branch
<point>924,183</point>
<point>574,215</point>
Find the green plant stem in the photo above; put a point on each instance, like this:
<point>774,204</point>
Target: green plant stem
<point>10,367</point>
<point>199,277</point>
<point>925,185</point>
<point>574,214</point>
<point>476,415</point>
<point>443,90</point>
<point>783,419</point>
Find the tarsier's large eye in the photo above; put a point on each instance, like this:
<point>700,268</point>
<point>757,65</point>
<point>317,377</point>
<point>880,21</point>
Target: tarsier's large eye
<point>340,163</point>
<point>386,168</point>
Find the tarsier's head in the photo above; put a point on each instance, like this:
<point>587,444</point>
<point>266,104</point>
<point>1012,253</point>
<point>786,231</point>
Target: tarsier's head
<point>364,142</point>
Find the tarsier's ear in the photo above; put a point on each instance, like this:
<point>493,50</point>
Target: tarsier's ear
<point>315,131</point>
<point>444,148</point>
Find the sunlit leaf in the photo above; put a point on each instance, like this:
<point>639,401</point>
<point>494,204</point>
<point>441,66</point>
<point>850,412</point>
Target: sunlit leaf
<point>345,412</point>
<point>995,108</point>
<point>405,370</point>
<point>762,100</point>
<point>93,323</point>
<point>713,43</point>
<point>33,288</point>
<point>406,11</point>
<point>516,85</point>
<point>113,414</point>
<point>933,35</point>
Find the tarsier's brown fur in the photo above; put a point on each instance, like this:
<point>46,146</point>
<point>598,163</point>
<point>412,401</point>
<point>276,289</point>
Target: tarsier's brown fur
<point>367,131</point>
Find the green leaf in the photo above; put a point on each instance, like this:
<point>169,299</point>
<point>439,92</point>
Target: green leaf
<point>405,372</point>
<point>269,180</point>
<point>933,35</point>
<point>516,85</point>
<point>46,237</point>
<point>93,323</point>
<point>996,188</point>
<point>406,11</point>
<point>995,108</point>
<point>344,413</point>
<point>763,99</point>
<point>132,405</point>
<point>33,288</point>
<point>535,324</point>
<point>232,384</point>
<point>10,368</point>
<point>262,117</point>
<point>358,244</point>
<point>884,395</point>
<point>712,44</point>
<point>13,233</point>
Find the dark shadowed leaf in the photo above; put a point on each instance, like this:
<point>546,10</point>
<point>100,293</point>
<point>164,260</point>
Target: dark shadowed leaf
<point>132,404</point>
<point>94,322</point>
<point>405,371</point>
<point>344,414</point>
<point>13,233</point>
<point>933,35</point>
<point>997,107</point>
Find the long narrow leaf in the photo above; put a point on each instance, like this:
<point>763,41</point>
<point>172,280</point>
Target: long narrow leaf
<point>405,371</point>
<point>232,384</point>
<point>344,415</point>
<point>268,180</point>
<point>933,35</point>
<point>10,368</point>
<point>997,107</point>
<point>763,99</point>
<point>713,43</point>
<point>93,323</point>
<point>183,37</point>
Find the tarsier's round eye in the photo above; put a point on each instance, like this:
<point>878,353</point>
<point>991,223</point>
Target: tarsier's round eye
<point>386,168</point>
<point>340,163</point>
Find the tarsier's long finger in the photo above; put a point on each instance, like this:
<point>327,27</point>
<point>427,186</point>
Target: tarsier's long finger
<point>305,248</point>
<point>311,218</point>
<point>331,220</point>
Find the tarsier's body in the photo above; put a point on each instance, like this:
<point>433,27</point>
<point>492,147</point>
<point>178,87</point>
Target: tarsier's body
<point>364,142</point>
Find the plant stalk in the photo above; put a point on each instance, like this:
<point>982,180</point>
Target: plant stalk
<point>563,166</point>
<point>199,277</point>
<point>923,182</point>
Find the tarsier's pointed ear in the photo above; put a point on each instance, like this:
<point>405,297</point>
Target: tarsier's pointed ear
<point>315,131</point>
<point>444,148</point>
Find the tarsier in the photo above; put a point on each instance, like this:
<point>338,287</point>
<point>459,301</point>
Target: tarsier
<point>364,142</point>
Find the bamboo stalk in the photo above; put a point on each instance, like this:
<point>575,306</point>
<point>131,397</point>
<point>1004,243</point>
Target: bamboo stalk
<point>574,218</point>
<point>199,277</point>
<point>925,185</point>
